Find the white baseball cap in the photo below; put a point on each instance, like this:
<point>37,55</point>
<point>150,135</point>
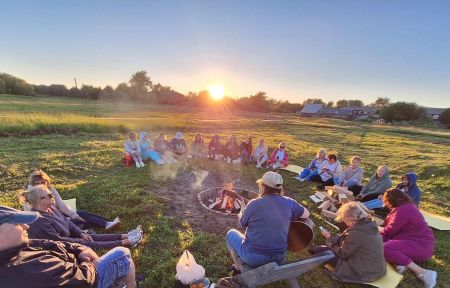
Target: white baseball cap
<point>271,179</point>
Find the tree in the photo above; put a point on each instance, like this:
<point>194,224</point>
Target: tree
<point>330,104</point>
<point>402,111</point>
<point>444,118</point>
<point>313,101</point>
<point>74,92</point>
<point>381,102</point>
<point>15,86</point>
<point>2,87</point>
<point>355,103</point>
<point>141,81</point>
<point>342,103</point>
<point>57,90</point>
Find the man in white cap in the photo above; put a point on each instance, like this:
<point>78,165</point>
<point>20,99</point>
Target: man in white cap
<point>266,219</point>
<point>178,145</point>
<point>45,263</point>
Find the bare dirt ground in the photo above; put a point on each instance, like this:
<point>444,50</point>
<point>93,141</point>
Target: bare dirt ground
<point>181,196</point>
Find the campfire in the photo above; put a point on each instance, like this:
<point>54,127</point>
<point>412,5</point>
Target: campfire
<point>225,200</point>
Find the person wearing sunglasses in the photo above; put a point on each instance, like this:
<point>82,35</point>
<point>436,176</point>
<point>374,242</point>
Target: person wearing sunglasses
<point>279,157</point>
<point>53,225</point>
<point>83,219</point>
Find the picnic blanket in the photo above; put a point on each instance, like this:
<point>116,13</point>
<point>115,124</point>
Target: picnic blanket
<point>293,168</point>
<point>436,221</point>
<point>72,203</point>
<point>390,280</point>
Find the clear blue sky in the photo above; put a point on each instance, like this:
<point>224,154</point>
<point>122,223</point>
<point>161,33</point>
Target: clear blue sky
<point>290,49</point>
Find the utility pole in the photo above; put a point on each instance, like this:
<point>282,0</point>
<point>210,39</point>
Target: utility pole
<point>76,86</point>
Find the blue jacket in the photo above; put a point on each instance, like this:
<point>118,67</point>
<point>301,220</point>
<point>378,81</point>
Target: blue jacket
<point>412,190</point>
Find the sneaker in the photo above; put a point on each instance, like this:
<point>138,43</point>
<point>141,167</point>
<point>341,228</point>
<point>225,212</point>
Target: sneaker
<point>400,269</point>
<point>134,232</point>
<point>136,239</point>
<point>114,223</point>
<point>428,278</point>
<point>258,166</point>
<point>142,164</point>
<point>138,165</point>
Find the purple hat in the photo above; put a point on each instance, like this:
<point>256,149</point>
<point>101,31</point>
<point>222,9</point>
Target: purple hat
<point>13,216</point>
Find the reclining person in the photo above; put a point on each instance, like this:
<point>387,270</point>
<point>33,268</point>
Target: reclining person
<point>83,219</point>
<point>147,150</point>
<point>55,226</point>
<point>45,263</point>
<point>266,219</point>
<point>330,172</point>
<point>313,167</point>
<point>376,186</point>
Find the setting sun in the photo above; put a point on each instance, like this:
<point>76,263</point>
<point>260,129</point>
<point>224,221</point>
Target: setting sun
<point>216,92</point>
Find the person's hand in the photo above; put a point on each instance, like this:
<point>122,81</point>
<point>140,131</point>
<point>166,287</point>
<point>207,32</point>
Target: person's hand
<point>326,234</point>
<point>86,237</point>
<point>88,255</point>
<point>380,197</point>
<point>359,197</point>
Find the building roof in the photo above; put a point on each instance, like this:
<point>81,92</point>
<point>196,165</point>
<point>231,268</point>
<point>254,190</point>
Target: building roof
<point>366,109</point>
<point>312,108</point>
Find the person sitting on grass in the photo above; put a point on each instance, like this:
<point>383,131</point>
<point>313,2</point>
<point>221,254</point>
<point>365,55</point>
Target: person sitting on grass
<point>359,249</point>
<point>147,150</point>
<point>55,226</point>
<point>44,263</point>
<point>260,154</point>
<point>313,167</point>
<point>231,149</point>
<point>376,186</point>
<point>132,148</point>
<point>162,148</point>
<point>215,148</point>
<point>198,149</point>
<point>246,149</point>
<point>279,157</point>
<point>353,174</point>
<point>266,219</point>
<point>330,171</point>
<point>178,146</point>
<point>407,237</point>
<point>83,219</point>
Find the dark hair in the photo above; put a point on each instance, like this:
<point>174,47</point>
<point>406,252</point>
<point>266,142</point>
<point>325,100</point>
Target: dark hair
<point>332,156</point>
<point>266,190</point>
<point>395,197</point>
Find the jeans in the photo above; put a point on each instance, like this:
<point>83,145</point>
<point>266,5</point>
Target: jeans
<point>307,173</point>
<point>103,241</point>
<point>235,241</point>
<point>113,266</point>
<point>374,204</point>
<point>91,220</point>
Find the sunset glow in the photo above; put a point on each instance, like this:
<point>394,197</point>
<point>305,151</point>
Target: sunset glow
<point>216,92</point>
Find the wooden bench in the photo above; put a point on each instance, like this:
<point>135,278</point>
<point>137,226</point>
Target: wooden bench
<point>272,272</point>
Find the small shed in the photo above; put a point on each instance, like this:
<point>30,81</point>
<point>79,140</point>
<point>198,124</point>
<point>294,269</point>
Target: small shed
<point>311,110</point>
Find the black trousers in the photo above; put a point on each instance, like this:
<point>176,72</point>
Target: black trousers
<point>322,184</point>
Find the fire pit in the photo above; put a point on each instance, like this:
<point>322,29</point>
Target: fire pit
<point>225,200</point>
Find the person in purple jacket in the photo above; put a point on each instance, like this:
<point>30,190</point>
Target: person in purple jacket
<point>266,220</point>
<point>407,237</point>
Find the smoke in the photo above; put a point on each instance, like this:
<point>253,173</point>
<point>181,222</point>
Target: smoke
<point>199,178</point>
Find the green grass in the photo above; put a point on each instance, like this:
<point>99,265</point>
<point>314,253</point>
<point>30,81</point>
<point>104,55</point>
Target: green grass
<point>48,133</point>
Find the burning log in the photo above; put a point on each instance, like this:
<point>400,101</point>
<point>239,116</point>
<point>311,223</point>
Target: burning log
<point>228,201</point>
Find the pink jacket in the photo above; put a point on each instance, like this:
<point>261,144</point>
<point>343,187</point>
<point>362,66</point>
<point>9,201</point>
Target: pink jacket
<point>273,159</point>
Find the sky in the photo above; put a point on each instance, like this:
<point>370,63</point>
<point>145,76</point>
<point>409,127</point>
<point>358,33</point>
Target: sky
<point>292,50</point>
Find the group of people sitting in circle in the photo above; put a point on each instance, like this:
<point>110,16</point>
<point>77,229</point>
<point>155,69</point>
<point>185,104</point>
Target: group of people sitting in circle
<point>61,252</point>
<point>361,250</point>
<point>168,152</point>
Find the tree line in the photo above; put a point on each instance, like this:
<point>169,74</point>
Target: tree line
<point>140,88</point>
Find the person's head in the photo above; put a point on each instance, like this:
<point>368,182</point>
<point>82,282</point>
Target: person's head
<point>332,158</point>
<point>39,197</point>
<point>355,161</point>
<point>405,180</point>
<point>271,183</point>
<point>350,213</point>
<point>198,138</point>
<point>143,136</point>
<point>248,140</point>
<point>322,153</point>
<point>179,136</point>
<point>262,142</point>
<point>395,197</point>
<point>282,145</point>
<point>381,171</point>
<point>233,138</point>
<point>132,135</point>
<point>13,226</point>
<point>216,138</point>
<point>39,177</point>
<point>162,136</point>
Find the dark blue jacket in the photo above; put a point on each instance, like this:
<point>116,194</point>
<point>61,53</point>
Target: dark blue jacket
<point>412,190</point>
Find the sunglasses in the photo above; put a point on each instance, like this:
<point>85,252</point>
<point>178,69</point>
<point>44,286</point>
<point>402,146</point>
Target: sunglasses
<point>40,182</point>
<point>49,196</point>
<point>282,147</point>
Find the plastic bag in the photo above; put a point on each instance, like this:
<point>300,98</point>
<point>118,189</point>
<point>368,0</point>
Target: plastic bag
<point>188,270</point>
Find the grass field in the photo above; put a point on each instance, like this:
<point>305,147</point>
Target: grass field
<point>79,143</point>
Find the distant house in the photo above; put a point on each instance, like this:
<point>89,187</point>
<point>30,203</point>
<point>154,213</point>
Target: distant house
<point>434,112</point>
<point>311,110</point>
<point>359,111</point>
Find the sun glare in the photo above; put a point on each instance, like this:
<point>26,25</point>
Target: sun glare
<point>216,92</point>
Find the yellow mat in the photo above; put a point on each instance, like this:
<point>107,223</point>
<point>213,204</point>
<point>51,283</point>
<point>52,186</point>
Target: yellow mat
<point>390,280</point>
<point>293,168</point>
<point>72,203</point>
<point>436,221</point>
